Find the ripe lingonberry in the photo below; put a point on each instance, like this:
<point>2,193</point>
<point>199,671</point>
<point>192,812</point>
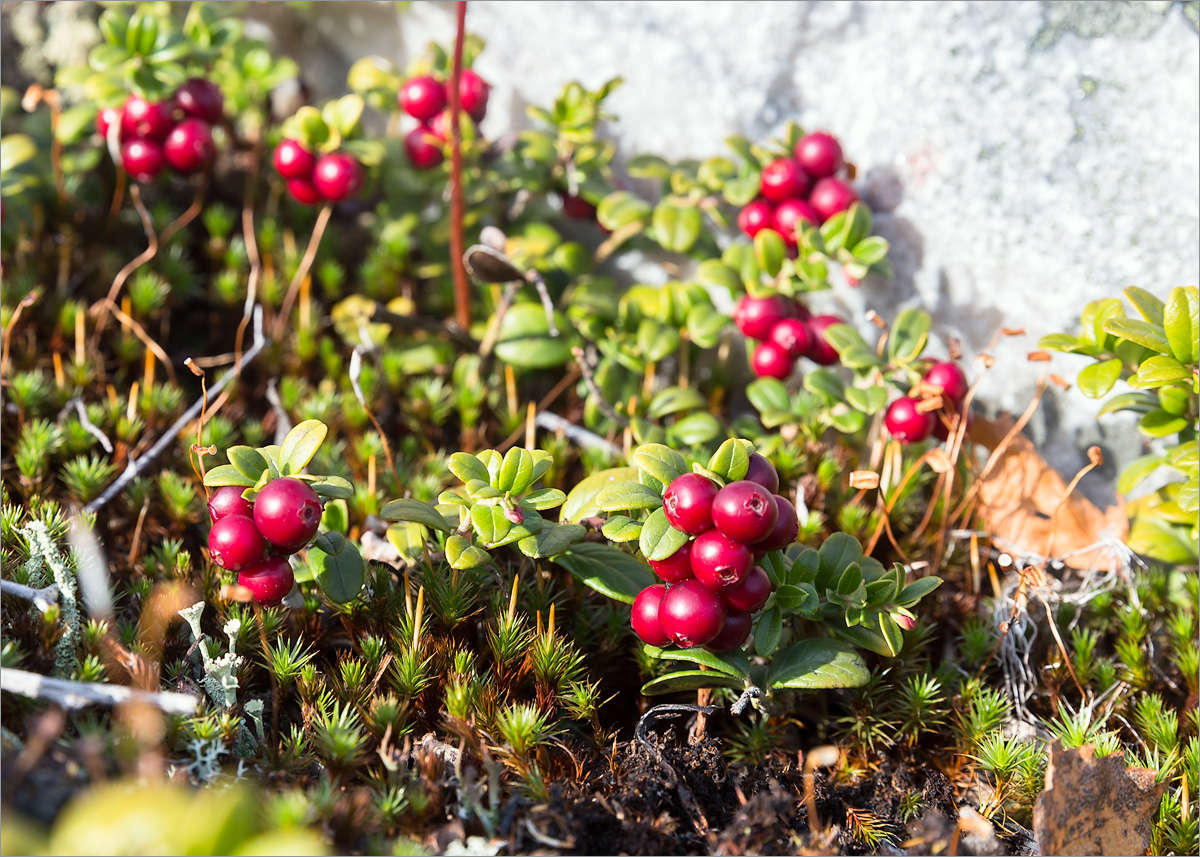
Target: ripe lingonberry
<point>787,527</point>
<point>819,349</point>
<point>745,511</point>
<point>423,147</point>
<point>750,593</point>
<point>228,500</point>
<point>189,147</point>
<point>106,118</point>
<point>287,512</point>
<point>735,632</point>
<point>691,614</point>
<point>423,97</point>
<point>789,215</point>
<point>819,154</point>
<point>905,423</point>
<point>771,361</point>
<point>577,208</point>
<point>675,568</point>
<point>473,92</point>
<point>784,179</point>
<point>756,316</point>
<point>143,159</point>
<point>763,472</point>
<point>202,99</point>
<point>687,503</point>
<point>719,561</point>
<point>268,581</point>
<point>756,216</point>
<point>951,379</point>
<point>303,191</point>
<point>645,616</point>
<point>293,161</point>
<point>829,196</point>
<point>148,120</point>
<point>791,335</point>
<point>337,176</point>
<point>235,543</point>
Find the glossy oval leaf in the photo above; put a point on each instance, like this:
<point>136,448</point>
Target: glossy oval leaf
<point>227,474</point>
<point>659,539</point>
<point>908,336</point>
<point>416,511</point>
<point>816,663</point>
<point>1181,322</point>
<point>609,571</point>
<point>552,540</point>
<point>461,554</point>
<point>660,461</point>
<point>676,227</point>
<point>690,680</point>
<point>628,496</point>
<point>338,567</point>
<point>581,501</point>
<point>301,444</point>
<point>733,663</point>
<point>1098,378</point>
<point>731,461</point>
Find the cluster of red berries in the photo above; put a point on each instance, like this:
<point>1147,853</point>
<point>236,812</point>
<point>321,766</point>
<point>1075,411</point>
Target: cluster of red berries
<point>254,539</point>
<point>175,132</point>
<point>310,180</point>
<point>785,330</point>
<point>909,421</point>
<point>712,586</point>
<point>424,98</point>
<point>802,188</point>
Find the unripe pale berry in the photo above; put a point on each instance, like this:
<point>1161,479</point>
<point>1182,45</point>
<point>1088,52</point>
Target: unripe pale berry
<point>189,147</point>
<point>423,97</point>
<point>228,500</point>
<point>719,561</point>
<point>734,632</point>
<point>234,543</point>
<point>791,334</point>
<point>644,617</point>
<point>771,361</point>
<point>691,614</point>
<point>786,529</point>
<point>905,423</point>
<point>745,511</point>
<point>763,472</point>
<point>756,316</point>
<point>950,379</point>
<point>268,581</point>
<point>784,179</point>
<point>819,154</point>
<point>756,216</point>
<point>337,176</point>
<point>750,593</point>
<point>687,503</point>
<point>293,161</point>
<point>819,349</point>
<point>829,196</point>
<point>675,568</point>
<point>288,513</point>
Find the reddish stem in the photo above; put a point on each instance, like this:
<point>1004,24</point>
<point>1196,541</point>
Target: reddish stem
<point>462,294</point>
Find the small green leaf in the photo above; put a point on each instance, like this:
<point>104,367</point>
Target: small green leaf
<point>731,461</point>
<point>492,461</point>
<point>461,554</point>
<point>301,444</point>
<point>516,470</point>
<point>1148,306</point>
<point>648,167</point>
<point>909,334</point>
<point>697,428</point>
<point>770,251</point>
<point>767,632</point>
<point>248,461</point>
<point>1181,322</point>
<point>733,663</point>
<point>226,474</point>
<point>918,589</point>
<point>673,400</point>
<point>621,208</point>
<point>690,680</point>
<point>628,496</point>
<point>552,540</point>
<point>467,467</point>
<point>544,498</point>
<point>826,384</point>
<point>869,400</point>
<point>337,566</point>
<point>609,571</point>
<point>334,488</point>
<point>1098,378</point>
<point>418,512</point>
<point>1142,332</point>
<point>870,250</point>
<point>1159,370</point>
<point>768,394</point>
<point>818,662</point>
<point>1140,402</point>
<point>622,528</point>
<point>676,227</point>
<point>659,539</point>
<point>1159,423</point>
<point>1137,471</point>
<point>806,567</point>
<point>581,502</point>
<point>714,274</point>
<point>803,598</point>
<point>838,552</point>
<point>1065,342</point>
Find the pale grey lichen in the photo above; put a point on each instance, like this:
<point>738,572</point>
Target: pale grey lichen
<point>44,555</point>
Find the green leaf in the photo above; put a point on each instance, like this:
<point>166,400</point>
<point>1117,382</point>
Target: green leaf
<point>770,251</point>
<point>659,539</point>
<point>552,540</point>
<point>492,461</point>
<point>1154,537</point>
<point>731,461</point>
<point>826,384</point>
<point>1137,471</point>
<point>16,149</point>
<point>622,528</point>
<point>918,589</point>
<point>582,503</point>
<point>806,567</point>
<point>248,461</point>
<point>467,467</point>
<point>648,167</point>
<point>372,73</point>
<point>524,340</point>
<point>1142,332</point>
<point>673,400</point>
<point>544,498</point>
<point>733,663</point>
<point>621,208</point>
<point>818,662</point>
<point>801,598</point>
<point>1159,370</point>
<point>607,570</point>
<point>846,420</point>
<point>699,427</point>
<point>1141,402</point>
<point>307,127</point>
<point>690,680</point>
<point>344,114</point>
<point>909,334</point>
<point>417,511</point>
<point>515,471</point>
<point>1064,342</point>
<point>461,554</point>
<point>714,274</point>
<point>113,26</point>
<point>628,496</point>
<point>869,400</point>
<point>767,632</point>
<point>1148,306</point>
<point>337,566</point>
<point>226,474</point>
<point>676,227</point>
<point>1181,322</point>
<point>1159,423</point>
<point>871,250</point>
<point>1098,378</point>
<point>768,394</point>
<point>838,552</point>
<point>301,444</point>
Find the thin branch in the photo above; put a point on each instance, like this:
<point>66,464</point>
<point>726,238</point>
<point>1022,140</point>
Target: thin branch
<point>462,292</point>
<point>585,366</point>
<point>309,255</point>
<point>42,598</point>
<point>101,308</point>
<point>79,694</point>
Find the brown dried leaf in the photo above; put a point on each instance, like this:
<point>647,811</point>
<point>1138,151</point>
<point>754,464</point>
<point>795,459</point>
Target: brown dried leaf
<point>1095,806</point>
<point>864,479</point>
<point>1021,503</point>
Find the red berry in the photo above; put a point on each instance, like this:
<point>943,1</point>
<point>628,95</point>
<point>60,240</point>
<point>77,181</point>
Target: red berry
<point>819,349</point>
<point>801,312</point>
<point>691,614</point>
<point>745,511</point>
<point>756,216</point>
<point>303,191</point>
<point>719,561</point>
<point>677,567</point>
<point>756,316</point>
<point>189,147</point>
<point>268,581</point>
<point>829,196</point>
<point>750,593</point>
<point>201,99</point>
<point>791,335</point>
<point>287,512</point>
<point>423,97</point>
<point>423,147</point>
<point>143,159</point>
<point>763,472</point>
<point>577,208</point>
<point>106,118</point>
<point>950,379</point>
<point>687,503</point>
<point>293,161</point>
<point>819,154</point>
<point>234,543</point>
<point>439,126</point>
<point>905,423</point>
<point>787,527</point>
<point>644,617</point>
<point>789,215</point>
<point>149,120</point>
<point>337,176</point>
<point>228,500</point>
<point>735,632</point>
<point>473,92</point>
<point>784,179</point>
<point>771,361</point>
